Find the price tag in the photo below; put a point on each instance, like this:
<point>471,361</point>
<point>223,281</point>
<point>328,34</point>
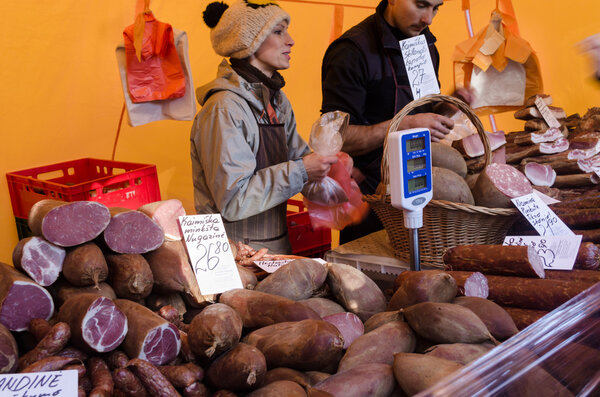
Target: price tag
<point>54,383</point>
<point>419,67</point>
<point>540,216</point>
<point>209,252</point>
<point>556,252</point>
<point>271,266</point>
<point>546,113</point>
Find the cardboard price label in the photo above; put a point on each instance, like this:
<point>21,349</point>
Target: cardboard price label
<point>419,67</point>
<point>209,252</point>
<point>47,384</point>
<point>556,252</point>
<point>540,216</point>
<point>271,266</point>
<point>546,113</point>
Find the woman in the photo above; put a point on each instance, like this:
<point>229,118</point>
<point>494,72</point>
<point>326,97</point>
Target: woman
<point>247,156</point>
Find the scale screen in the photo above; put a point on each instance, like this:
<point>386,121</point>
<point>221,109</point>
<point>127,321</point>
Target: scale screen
<point>415,144</point>
<point>418,163</point>
<point>417,183</point>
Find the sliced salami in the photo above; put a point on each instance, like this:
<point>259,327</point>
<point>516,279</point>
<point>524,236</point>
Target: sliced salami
<point>21,299</point>
<point>540,174</point>
<point>96,322</point>
<point>151,337</point>
<point>166,213</point>
<point>132,232</point>
<point>470,283</point>
<point>498,184</point>
<point>68,224</point>
<point>40,259</point>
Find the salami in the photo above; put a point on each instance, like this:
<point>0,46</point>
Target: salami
<point>508,260</point>
<point>578,275</point>
<point>40,259</point>
<point>497,184</point>
<point>577,218</point>
<point>166,213</point>
<point>524,317</point>
<point>130,275</point>
<point>531,293</point>
<point>573,180</point>
<point>96,323</point>
<point>470,283</point>
<point>132,232</point>
<point>21,299</point>
<point>68,224</point>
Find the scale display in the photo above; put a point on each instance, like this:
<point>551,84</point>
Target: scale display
<point>409,158</point>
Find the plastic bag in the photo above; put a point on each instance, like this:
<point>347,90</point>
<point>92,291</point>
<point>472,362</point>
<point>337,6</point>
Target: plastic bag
<point>335,201</point>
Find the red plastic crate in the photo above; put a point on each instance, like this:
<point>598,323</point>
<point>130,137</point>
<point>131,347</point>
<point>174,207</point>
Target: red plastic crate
<point>112,183</point>
<point>304,239</point>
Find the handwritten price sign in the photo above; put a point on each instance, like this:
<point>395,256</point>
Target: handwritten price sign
<point>540,216</point>
<point>556,252</point>
<point>209,252</point>
<point>419,67</point>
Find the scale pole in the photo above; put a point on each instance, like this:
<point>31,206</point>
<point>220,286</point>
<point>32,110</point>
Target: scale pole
<point>413,239</point>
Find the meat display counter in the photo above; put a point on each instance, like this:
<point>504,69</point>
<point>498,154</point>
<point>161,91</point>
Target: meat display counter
<point>559,355</point>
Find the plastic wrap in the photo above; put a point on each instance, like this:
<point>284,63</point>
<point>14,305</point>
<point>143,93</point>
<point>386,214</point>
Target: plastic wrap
<point>559,355</point>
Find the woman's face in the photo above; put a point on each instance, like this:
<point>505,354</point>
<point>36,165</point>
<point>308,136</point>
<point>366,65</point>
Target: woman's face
<point>274,52</point>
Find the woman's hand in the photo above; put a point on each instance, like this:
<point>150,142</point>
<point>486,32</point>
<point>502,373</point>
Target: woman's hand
<point>317,166</point>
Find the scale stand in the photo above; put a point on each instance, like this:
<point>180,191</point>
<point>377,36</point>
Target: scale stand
<point>413,239</point>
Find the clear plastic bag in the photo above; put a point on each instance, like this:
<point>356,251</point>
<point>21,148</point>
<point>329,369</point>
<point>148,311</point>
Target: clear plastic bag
<point>336,200</point>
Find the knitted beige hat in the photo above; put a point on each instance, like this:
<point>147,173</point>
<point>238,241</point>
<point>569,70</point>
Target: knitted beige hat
<point>237,31</point>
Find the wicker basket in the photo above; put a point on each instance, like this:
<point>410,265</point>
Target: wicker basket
<point>445,224</point>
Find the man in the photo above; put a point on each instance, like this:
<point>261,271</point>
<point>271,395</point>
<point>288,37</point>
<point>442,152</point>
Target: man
<point>363,74</point>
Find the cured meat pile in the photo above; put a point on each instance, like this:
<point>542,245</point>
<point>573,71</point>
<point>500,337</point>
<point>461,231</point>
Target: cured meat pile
<point>132,324</point>
<point>516,279</point>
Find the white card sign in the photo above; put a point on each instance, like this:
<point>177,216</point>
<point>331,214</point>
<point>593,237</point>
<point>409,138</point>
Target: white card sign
<point>540,216</point>
<point>546,113</point>
<point>209,252</point>
<point>271,266</point>
<point>419,67</point>
<point>54,383</point>
<point>556,252</point>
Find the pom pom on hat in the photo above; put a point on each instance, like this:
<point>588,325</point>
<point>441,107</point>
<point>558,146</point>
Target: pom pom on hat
<point>213,13</point>
<point>241,28</point>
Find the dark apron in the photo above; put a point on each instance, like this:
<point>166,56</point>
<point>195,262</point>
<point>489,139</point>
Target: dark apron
<point>269,228</point>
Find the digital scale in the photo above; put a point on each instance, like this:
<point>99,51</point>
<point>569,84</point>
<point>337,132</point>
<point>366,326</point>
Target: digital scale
<point>411,188</point>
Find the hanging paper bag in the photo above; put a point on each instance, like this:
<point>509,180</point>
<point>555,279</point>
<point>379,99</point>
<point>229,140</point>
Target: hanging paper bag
<point>498,65</point>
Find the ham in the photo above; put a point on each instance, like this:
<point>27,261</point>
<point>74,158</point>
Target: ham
<point>560,145</point>
<point>540,174</point>
<point>166,214</point>
<point>472,146</point>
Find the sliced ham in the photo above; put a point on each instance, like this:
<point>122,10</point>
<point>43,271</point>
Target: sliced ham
<point>472,146</point>
<point>166,213</point>
<point>40,259</point>
<point>560,145</point>
<point>540,174</point>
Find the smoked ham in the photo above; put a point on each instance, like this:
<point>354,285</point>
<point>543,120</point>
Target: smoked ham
<point>540,174</point>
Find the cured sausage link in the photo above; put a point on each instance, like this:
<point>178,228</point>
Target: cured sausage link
<point>504,260</point>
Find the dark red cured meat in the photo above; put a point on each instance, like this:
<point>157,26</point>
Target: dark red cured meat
<point>470,283</point>
<point>9,352</point>
<point>96,322</point>
<point>128,382</point>
<point>41,260</point>
<point>153,380</point>
<point>21,299</point>
<point>348,324</point>
<point>582,275</point>
<point>196,389</point>
<point>75,223</point>
<point>50,345</point>
<point>132,232</point>
<point>508,180</point>
<point>101,378</point>
<point>150,336</point>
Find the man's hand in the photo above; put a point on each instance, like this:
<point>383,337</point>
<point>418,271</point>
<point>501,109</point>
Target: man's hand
<point>438,125</point>
<point>317,166</point>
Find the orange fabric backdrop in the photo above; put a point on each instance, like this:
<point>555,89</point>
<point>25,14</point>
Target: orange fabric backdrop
<point>61,96</point>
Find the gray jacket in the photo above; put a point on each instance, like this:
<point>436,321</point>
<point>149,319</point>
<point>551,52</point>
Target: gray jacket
<point>224,143</point>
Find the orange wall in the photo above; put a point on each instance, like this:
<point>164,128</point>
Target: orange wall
<point>61,98</point>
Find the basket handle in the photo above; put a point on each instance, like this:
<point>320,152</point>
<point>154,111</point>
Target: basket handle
<point>432,98</point>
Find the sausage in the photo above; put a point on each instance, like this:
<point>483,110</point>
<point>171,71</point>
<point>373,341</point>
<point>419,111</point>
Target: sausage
<point>504,260</point>
<point>52,363</point>
<point>180,376</point>
<point>470,283</point>
<point>577,218</point>
<point>196,389</point>
<point>152,379</point>
<point>102,381</point>
<point>127,382</point>
<point>80,368</point>
<point>39,327</point>
<point>73,352</point>
<point>54,341</point>
<point>117,359</point>
<point>580,275</point>
<point>530,293</point>
<point>130,275</point>
<point>588,257</point>
<point>524,317</point>
<point>589,235</point>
